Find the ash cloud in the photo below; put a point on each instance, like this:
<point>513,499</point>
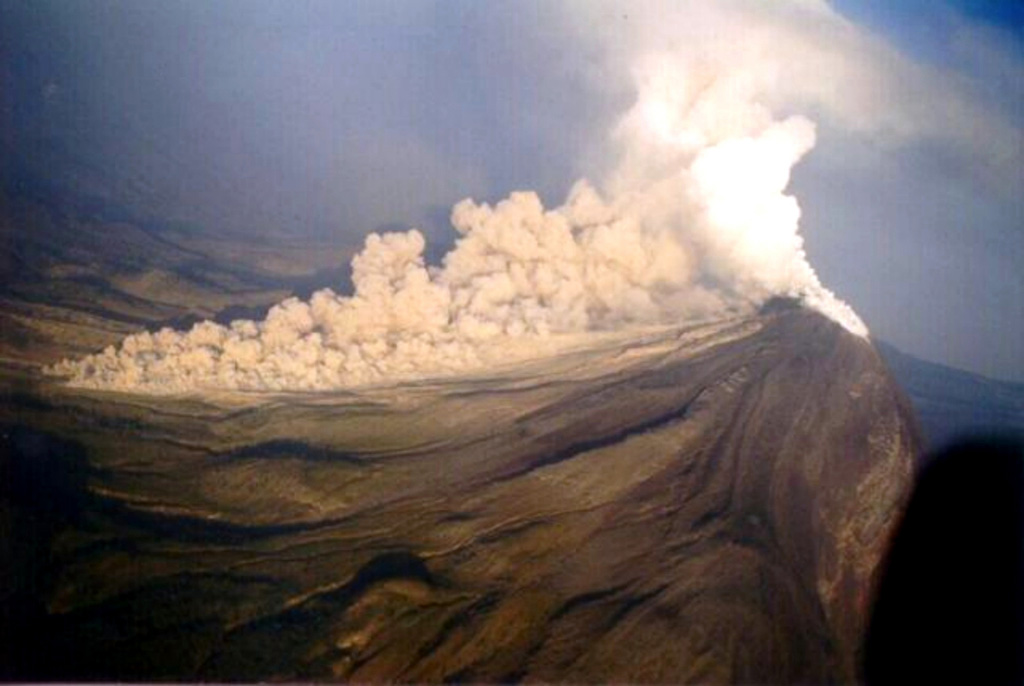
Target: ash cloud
<point>692,221</point>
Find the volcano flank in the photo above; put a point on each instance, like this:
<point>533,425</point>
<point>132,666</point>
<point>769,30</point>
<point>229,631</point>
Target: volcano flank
<point>706,503</point>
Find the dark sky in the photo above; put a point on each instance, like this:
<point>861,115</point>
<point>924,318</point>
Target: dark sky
<point>311,115</point>
<point>338,118</point>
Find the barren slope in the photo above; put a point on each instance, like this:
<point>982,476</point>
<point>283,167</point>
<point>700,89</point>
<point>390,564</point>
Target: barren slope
<point>706,504</point>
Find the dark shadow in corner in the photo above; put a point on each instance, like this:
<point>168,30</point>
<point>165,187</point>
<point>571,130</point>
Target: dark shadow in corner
<point>950,605</point>
<point>42,493</point>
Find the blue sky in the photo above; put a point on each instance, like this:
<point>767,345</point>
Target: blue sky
<point>913,21</point>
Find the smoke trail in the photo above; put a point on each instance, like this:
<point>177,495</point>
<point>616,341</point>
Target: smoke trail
<point>693,222</point>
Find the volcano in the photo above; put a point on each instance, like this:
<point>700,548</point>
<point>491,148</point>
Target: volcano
<point>707,503</point>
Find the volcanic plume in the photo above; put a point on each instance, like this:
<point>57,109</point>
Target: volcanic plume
<point>693,222</point>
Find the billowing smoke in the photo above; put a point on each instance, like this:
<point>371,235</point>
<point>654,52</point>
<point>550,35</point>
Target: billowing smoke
<point>693,222</point>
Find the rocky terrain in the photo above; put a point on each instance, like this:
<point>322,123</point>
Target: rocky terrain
<point>698,504</point>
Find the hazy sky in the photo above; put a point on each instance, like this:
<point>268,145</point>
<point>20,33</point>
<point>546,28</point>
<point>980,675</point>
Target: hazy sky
<point>343,117</point>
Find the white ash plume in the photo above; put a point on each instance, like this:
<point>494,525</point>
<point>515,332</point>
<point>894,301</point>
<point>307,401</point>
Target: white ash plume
<point>693,222</point>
